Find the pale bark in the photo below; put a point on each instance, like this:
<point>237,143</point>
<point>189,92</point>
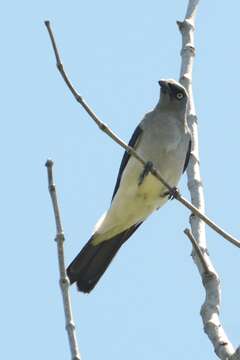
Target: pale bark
<point>64,282</point>
<point>210,279</point>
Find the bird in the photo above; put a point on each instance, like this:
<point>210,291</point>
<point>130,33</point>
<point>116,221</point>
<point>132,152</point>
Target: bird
<point>163,139</point>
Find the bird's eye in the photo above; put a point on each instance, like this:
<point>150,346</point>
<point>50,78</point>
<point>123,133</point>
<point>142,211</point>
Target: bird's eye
<point>179,96</point>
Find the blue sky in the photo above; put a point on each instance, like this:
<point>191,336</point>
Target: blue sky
<point>147,304</point>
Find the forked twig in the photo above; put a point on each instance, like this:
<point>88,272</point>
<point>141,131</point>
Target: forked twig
<point>130,150</point>
<point>64,282</point>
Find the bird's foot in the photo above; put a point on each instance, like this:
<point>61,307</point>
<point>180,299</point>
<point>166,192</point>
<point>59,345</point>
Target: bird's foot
<point>147,168</point>
<point>173,193</point>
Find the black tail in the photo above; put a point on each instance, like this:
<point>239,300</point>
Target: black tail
<point>92,261</point>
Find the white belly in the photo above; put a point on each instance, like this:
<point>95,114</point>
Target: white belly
<point>132,203</point>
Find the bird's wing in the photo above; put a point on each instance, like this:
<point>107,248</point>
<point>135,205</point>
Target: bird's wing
<point>133,143</point>
<point>187,155</point>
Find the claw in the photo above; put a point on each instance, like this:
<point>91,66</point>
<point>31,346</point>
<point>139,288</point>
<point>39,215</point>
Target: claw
<point>147,168</point>
<point>172,194</point>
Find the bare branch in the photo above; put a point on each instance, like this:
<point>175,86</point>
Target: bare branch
<point>131,151</point>
<point>64,282</point>
<point>198,250</point>
<point>210,279</point>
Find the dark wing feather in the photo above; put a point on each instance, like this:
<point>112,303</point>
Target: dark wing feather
<point>187,155</point>
<point>134,139</point>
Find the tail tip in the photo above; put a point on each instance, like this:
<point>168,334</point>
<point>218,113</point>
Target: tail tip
<point>82,286</point>
<point>85,286</point>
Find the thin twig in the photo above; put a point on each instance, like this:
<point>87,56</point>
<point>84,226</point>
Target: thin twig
<point>64,282</point>
<point>131,151</point>
<point>198,250</point>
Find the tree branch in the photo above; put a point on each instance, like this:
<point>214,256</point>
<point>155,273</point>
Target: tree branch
<point>210,279</point>
<point>64,282</point>
<point>198,250</point>
<point>131,151</point>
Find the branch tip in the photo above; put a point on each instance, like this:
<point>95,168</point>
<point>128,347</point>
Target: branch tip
<point>49,163</point>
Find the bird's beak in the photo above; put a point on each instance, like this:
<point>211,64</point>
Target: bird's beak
<point>164,85</point>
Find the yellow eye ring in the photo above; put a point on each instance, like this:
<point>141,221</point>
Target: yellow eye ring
<point>179,96</point>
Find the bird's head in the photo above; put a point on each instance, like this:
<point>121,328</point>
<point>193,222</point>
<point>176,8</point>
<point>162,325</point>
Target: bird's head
<point>173,95</point>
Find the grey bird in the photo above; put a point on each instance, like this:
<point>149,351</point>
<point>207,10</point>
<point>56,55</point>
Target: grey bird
<point>163,139</point>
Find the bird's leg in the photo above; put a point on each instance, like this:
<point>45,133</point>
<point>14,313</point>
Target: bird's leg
<point>147,168</point>
<point>172,194</point>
